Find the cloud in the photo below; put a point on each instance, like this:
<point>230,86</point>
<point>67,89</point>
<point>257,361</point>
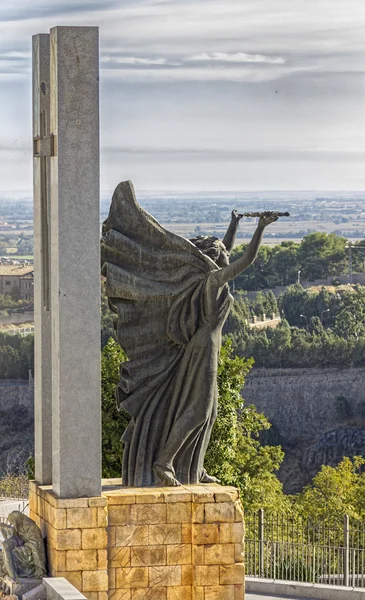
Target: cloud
<point>239,57</point>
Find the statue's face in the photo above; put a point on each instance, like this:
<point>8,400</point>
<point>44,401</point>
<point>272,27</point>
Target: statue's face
<point>223,260</point>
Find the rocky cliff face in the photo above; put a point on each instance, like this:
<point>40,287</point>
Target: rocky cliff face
<point>318,416</point>
<point>16,419</point>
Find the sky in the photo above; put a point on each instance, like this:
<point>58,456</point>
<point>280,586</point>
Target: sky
<point>221,95</point>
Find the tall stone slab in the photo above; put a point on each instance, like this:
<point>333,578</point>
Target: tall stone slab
<point>42,304</point>
<point>75,262</point>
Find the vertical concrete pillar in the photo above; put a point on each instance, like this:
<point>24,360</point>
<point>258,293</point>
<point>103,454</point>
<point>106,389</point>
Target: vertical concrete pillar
<point>75,263</point>
<point>42,308</point>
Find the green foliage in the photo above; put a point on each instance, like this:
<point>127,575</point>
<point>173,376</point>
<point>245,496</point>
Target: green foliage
<point>334,492</point>
<point>16,356</point>
<point>113,421</point>
<point>235,454</point>
<point>318,256</point>
<point>107,319</point>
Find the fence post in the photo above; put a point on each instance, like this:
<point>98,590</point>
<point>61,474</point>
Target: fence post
<point>346,553</point>
<point>261,542</point>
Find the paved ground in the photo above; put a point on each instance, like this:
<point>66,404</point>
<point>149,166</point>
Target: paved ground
<point>6,506</point>
<point>265,597</point>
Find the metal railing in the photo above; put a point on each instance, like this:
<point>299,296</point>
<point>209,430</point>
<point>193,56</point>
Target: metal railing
<point>293,549</point>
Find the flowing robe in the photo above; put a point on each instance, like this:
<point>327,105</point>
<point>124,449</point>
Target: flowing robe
<point>157,283</point>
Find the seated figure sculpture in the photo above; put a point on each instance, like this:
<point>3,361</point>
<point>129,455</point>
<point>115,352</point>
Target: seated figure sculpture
<point>171,296</point>
<point>22,552</point>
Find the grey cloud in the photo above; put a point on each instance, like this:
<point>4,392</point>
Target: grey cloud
<point>194,154</point>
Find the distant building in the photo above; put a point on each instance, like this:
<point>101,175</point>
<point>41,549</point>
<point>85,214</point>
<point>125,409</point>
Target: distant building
<point>17,280</point>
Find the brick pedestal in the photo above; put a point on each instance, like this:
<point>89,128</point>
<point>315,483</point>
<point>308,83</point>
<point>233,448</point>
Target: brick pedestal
<point>182,543</point>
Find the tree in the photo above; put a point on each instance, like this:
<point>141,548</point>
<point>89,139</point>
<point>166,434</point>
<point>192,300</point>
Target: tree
<point>321,255</point>
<point>334,492</point>
<point>113,421</point>
<point>235,454</point>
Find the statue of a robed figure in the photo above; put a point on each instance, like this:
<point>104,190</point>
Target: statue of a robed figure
<point>22,552</point>
<point>172,298</point>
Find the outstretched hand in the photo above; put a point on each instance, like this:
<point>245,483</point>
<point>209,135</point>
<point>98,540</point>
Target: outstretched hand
<point>236,217</point>
<point>264,221</point>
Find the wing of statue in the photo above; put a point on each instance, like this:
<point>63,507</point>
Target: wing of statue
<point>154,282</point>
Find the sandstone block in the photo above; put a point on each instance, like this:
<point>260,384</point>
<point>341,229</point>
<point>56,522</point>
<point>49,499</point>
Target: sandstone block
<point>93,539</point>
<point>179,554</point>
<point>206,575</point>
<point>164,534</point>
<point>132,535</point>
<point>198,513</point>
<point>111,579</point>
<point>148,496</point>
<point>97,502</point>
<point>150,594</point>
<point>179,512</point>
<point>186,575</point>
<point>73,577</point>
<point>122,594</point>
<point>94,581</point>
<point>219,554</point>
<point>102,559</point>
<point>102,517</point>
<point>66,502</point>
<point>120,557</point>
<point>220,592</point>
<point>179,593</point>
<point>65,539</point>
<point>239,555</point>
<point>111,531</point>
<point>148,514</point>
<point>103,595</point>
<point>231,574</point>
<point>198,555</point>
<point>91,595</point>
<point>83,518</point>
<point>221,512</point>
<point>178,496</point>
<point>202,497</point>
<point>132,577</point>
<point>81,560</point>
<point>238,512</point>
<point>164,576</point>
<point>239,592</point>
<point>148,556</point>
<point>186,533</point>
<point>229,494</point>
<point>198,592</point>
<point>231,533</point>
<point>119,514</point>
<point>54,516</point>
<point>205,534</point>
<point>56,559</point>
<point>114,499</point>
<point>33,502</point>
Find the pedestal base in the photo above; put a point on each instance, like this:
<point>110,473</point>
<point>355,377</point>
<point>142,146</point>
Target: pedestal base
<point>182,543</point>
<point>18,588</point>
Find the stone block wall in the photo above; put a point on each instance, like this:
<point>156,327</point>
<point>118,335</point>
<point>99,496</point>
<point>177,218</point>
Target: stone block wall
<point>182,543</point>
<point>76,533</point>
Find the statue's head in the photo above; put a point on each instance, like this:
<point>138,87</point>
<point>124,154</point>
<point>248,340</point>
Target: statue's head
<point>212,247</point>
<point>14,517</point>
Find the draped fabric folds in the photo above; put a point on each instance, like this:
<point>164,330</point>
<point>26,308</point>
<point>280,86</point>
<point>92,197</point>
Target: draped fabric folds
<point>156,282</point>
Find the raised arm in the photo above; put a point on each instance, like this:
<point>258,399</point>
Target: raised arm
<point>225,274</point>
<point>230,236</point>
